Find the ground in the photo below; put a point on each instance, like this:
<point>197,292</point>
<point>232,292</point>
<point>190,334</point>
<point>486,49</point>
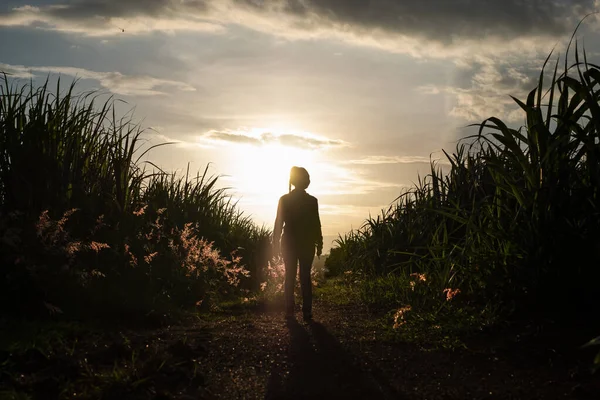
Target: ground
<point>254,353</point>
<point>341,356</point>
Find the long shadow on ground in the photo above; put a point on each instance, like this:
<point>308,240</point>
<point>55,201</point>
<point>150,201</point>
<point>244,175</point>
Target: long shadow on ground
<point>321,369</point>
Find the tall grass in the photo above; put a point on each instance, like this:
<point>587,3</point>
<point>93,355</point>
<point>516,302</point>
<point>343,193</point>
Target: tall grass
<point>59,150</point>
<point>515,220</point>
<point>86,228</point>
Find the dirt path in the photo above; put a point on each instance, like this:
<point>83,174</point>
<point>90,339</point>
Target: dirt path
<point>258,355</point>
<point>265,356</point>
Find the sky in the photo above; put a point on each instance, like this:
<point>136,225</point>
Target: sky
<point>362,93</point>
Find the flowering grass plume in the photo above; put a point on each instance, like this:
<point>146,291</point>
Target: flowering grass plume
<point>419,277</point>
<point>198,256</point>
<point>399,316</point>
<point>451,293</point>
<point>274,278</point>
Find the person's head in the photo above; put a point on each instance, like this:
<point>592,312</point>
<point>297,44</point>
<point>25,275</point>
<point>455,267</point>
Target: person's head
<point>299,178</point>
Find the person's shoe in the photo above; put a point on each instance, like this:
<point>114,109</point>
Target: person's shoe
<point>289,315</point>
<point>308,317</point>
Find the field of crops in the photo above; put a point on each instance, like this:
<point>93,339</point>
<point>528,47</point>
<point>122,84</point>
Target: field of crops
<point>90,230</point>
<point>512,230</point>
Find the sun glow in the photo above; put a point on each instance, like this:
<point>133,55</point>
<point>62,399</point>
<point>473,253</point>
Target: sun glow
<point>259,163</point>
<point>262,172</point>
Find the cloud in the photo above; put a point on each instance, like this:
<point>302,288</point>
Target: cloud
<point>488,40</point>
<point>308,142</point>
<point>256,137</point>
<point>236,137</point>
<point>113,17</point>
<point>351,210</point>
<point>343,180</point>
<point>375,160</point>
<point>483,87</point>
<point>154,133</point>
<point>116,82</point>
<point>16,71</point>
<point>428,89</point>
<point>424,27</point>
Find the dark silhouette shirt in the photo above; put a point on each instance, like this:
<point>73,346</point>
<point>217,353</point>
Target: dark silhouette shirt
<point>298,217</point>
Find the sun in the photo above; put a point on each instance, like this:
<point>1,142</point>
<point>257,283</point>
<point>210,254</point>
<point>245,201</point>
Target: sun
<point>262,172</point>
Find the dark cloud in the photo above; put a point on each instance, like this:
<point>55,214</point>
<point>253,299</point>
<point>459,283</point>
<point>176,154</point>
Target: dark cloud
<point>445,21</point>
<point>442,21</point>
<point>233,137</point>
<point>86,9</point>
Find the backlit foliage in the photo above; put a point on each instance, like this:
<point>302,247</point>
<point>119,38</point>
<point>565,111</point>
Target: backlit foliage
<point>87,229</point>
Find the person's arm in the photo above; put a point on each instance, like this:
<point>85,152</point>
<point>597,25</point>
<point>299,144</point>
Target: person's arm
<point>278,228</point>
<point>318,232</point>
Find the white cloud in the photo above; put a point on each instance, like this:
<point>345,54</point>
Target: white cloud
<point>16,71</point>
<point>375,160</point>
<point>346,181</point>
<point>350,211</point>
<point>186,144</point>
<point>116,82</point>
<point>428,89</point>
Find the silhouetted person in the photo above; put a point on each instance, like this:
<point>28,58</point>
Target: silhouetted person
<point>298,217</point>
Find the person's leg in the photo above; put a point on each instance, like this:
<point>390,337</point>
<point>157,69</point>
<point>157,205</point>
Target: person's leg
<point>290,259</point>
<point>306,260</point>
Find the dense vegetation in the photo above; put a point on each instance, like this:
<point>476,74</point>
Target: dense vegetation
<point>88,231</point>
<point>512,230</point>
